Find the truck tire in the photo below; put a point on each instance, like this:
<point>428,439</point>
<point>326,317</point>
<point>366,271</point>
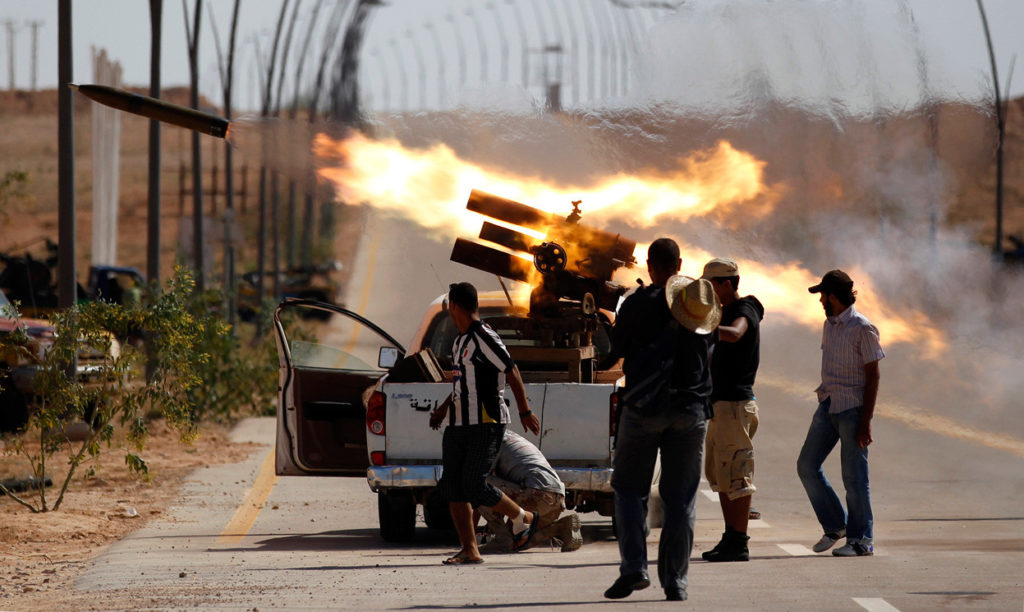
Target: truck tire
<point>396,512</point>
<point>436,513</point>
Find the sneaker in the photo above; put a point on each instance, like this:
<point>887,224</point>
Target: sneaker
<point>863,547</point>
<point>828,540</point>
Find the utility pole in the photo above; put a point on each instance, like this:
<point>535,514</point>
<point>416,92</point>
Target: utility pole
<point>35,25</point>
<point>11,31</point>
<point>997,247</point>
<point>66,281</point>
<point>198,239</point>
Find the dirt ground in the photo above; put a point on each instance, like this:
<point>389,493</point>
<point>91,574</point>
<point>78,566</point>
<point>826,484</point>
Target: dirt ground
<point>41,553</point>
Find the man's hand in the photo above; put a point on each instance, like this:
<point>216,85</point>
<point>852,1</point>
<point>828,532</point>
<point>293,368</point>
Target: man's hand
<point>864,434</point>
<point>438,414</point>
<point>530,421</point>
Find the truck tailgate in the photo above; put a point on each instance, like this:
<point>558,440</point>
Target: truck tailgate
<point>574,425</point>
<point>574,421</point>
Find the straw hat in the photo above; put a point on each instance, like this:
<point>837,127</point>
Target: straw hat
<point>693,303</point>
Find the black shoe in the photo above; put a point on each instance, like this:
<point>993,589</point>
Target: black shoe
<point>625,585</point>
<point>707,554</point>
<point>675,595</point>
<point>733,547</point>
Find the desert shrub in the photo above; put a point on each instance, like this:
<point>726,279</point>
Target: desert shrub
<point>107,388</point>
<point>240,377</point>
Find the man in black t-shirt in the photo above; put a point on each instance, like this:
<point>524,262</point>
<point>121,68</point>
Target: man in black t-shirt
<point>729,450</point>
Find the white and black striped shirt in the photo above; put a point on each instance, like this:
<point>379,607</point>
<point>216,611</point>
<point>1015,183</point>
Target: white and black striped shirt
<point>479,363</point>
<point>848,342</point>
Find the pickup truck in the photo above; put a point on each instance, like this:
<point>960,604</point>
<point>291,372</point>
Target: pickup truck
<point>338,415</point>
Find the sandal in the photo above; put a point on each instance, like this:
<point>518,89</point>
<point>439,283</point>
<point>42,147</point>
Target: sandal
<point>754,515</point>
<point>461,560</point>
<point>523,539</point>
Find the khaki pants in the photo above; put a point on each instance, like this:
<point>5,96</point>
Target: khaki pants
<point>729,454</point>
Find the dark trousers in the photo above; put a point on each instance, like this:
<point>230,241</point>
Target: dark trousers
<point>679,434</point>
<point>468,453</point>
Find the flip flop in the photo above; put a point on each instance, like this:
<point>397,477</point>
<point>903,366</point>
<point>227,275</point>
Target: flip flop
<point>460,560</point>
<point>753,515</point>
<point>526,535</point>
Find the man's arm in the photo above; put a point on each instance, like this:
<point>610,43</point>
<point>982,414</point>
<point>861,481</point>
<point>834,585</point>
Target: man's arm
<point>438,414</point>
<point>529,419</point>
<point>733,332</point>
<point>872,375</point>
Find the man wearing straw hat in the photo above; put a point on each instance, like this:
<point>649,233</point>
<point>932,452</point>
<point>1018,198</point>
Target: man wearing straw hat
<point>664,332</point>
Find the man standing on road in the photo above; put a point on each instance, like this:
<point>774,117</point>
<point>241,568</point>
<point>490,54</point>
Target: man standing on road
<point>729,450</point>
<point>524,474</point>
<point>850,351</point>
<point>476,425</point>
<point>664,332</point>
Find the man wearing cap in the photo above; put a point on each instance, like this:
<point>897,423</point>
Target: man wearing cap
<point>850,351</point>
<point>664,332</point>
<point>729,450</point>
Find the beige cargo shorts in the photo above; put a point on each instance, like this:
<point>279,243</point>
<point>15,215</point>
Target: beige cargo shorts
<point>729,450</point>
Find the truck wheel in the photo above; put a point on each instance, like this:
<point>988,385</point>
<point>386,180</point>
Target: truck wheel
<point>396,512</point>
<point>436,513</point>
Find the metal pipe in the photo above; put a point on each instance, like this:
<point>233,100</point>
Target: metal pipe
<point>67,287</point>
<point>153,209</point>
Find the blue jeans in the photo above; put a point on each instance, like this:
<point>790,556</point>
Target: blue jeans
<point>827,429</point>
<point>679,434</point>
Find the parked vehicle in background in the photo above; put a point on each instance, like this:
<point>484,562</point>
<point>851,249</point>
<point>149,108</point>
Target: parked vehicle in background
<point>19,365</point>
<point>315,282</point>
<point>30,281</point>
<point>341,415</point>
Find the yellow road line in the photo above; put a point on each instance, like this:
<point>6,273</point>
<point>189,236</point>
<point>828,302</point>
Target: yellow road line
<point>247,512</point>
<point>917,418</point>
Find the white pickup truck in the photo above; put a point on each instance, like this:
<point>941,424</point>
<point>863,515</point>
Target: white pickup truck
<point>339,416</point>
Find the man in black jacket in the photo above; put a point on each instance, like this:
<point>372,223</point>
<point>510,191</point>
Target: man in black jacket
<point>664,332</point>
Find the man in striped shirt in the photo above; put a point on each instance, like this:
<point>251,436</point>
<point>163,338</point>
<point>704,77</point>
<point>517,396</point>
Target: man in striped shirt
<point>850,352</point>
<point>477,417</point>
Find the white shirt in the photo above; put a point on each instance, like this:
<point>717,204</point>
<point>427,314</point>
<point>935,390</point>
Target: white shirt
<point>848,342</point>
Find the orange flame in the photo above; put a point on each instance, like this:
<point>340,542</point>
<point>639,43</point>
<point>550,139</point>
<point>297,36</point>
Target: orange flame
<point>430,187</point>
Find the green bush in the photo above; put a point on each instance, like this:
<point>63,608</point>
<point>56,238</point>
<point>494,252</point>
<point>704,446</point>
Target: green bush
<point>111,391</point>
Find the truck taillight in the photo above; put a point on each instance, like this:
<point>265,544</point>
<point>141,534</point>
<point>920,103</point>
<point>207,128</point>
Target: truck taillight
<point>375,411</point>
<point>613,414</point>
<point>377,458</point>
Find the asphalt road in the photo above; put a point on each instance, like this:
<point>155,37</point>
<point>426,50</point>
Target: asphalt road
<point>948,499</point>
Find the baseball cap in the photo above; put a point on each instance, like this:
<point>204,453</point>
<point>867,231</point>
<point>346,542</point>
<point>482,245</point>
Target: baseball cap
<point>833,282</point>
<point>720,267</point>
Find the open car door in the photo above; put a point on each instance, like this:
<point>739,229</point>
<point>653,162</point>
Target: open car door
<point>321,416</point>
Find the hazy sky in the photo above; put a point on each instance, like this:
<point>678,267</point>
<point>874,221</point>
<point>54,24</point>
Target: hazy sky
<point>404,37</point>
